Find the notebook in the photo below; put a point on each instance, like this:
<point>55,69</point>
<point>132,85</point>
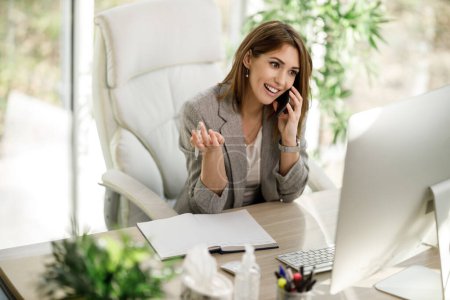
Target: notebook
<point>225,232</point>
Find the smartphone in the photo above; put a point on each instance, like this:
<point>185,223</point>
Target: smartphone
<point>283,100</point>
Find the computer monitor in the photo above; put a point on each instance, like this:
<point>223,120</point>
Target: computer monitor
<point>395,154</point>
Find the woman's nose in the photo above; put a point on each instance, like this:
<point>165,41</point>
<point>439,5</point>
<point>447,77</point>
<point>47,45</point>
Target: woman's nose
<point>280,78</point>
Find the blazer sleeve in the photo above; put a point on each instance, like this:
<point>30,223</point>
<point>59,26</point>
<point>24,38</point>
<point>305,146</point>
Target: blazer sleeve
<point>292,185</point>
<point>199,198</point>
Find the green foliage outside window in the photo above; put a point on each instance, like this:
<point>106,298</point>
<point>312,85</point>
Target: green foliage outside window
<point>29,50</point>
<point>339,34</point>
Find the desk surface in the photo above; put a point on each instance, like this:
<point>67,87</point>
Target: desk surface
<point>309,222</point>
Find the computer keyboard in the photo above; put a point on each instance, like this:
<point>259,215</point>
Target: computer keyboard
<point>320,259</point>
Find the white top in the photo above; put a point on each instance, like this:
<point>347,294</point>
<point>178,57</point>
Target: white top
<point>253,169</point>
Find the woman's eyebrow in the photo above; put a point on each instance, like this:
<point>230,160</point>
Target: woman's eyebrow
<point>283,63</point>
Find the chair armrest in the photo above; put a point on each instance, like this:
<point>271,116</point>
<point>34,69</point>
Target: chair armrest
<point>318,180</point>
<point>144,198</point>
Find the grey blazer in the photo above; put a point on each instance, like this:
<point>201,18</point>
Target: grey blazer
<point>220,116</point>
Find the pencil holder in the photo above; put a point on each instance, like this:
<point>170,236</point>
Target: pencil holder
<point>282,294</point>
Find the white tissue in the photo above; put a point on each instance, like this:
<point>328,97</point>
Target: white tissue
<point>200,266</point>
<point>200,274</point>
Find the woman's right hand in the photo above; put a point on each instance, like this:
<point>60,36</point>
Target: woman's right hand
<point>206,140</point>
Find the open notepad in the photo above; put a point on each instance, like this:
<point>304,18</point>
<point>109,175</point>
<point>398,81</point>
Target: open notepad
<point>225,232</point>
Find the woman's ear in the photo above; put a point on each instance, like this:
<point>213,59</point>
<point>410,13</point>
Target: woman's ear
<point>248,59</point>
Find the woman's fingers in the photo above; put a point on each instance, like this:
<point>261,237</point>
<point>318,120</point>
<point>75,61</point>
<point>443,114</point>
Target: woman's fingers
<point>216,138</point>
<point>288,123</point>
<point>197,141</point>
<point>212,138</point>
<point>204,134</point>
<point>203,139</point>
<point>220,138</point>
<point>296,100</point>
<point>289,109</point>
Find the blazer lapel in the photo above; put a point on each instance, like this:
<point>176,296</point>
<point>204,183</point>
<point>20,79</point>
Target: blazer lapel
<point>235,148</point>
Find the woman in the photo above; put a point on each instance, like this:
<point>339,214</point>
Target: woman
<point>247,154</point>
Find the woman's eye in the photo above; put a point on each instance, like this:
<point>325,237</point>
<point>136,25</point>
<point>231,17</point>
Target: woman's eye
<point>274,64</point>
<point>293,73</point>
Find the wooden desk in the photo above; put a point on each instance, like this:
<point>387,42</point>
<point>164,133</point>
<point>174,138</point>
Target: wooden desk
<point>309,222</point>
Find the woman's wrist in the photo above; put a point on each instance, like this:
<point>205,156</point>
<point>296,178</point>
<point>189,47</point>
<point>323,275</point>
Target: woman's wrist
<point>289,142</point>
<point>213,173</point>
<point>214,151</point>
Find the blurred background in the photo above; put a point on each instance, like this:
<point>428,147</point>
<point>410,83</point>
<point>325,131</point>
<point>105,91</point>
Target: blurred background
<point>370,55</point>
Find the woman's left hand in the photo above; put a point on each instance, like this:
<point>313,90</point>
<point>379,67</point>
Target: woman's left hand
<point>288,123</point>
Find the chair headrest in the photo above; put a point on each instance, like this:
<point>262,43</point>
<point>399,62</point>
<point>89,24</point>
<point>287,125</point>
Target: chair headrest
<point>135,43</point>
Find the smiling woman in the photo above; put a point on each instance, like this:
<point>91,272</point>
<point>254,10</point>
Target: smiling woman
<point>249,154</point>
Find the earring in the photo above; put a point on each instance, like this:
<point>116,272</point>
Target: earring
<point>247,72</point>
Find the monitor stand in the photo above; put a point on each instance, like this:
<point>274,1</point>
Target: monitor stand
<point>418,282</point>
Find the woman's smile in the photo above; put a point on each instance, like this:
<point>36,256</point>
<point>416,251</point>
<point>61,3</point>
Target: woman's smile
<point>271,89</point>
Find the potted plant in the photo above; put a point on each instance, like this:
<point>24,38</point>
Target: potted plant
<point>89,267</point>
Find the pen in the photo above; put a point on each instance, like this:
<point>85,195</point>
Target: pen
<point>310,285</point>
<point>307,283</point>
<point>199,135</point>
<point>310,277</point>
<point>281,271</point>
<point>287,286</point>
<point>289,275</point>
<point>301,286</point>
<point>277,275</point>
<point>281,282</point>
<point>297,280</point>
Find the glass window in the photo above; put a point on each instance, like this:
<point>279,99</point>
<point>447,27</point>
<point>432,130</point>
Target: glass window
<point>34,123</point>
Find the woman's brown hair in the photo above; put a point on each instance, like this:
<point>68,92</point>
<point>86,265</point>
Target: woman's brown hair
<point>268,37</point>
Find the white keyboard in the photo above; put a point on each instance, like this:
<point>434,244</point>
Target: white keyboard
<point>319,259</point>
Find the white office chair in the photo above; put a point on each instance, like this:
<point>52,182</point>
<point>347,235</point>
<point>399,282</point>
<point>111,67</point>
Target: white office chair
<point>150,57</point>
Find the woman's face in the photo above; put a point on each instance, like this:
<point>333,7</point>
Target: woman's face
<point>271,73</point>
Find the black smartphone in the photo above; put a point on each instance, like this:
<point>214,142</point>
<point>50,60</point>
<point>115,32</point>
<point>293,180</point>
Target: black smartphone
<point>283,100</point>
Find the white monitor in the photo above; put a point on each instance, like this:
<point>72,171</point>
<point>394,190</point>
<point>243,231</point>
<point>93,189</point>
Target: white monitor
<point>395,155</point>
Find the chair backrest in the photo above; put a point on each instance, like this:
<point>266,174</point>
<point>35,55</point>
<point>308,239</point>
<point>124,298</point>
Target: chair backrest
<point>150,57</point>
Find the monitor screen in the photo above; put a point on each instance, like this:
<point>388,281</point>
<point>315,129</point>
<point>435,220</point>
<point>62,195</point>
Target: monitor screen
<point>394,155</point>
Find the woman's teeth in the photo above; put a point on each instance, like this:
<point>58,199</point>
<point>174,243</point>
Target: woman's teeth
<point>271,89</point>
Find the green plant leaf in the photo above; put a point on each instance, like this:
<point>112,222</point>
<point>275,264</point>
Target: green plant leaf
<point>89,268</point>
